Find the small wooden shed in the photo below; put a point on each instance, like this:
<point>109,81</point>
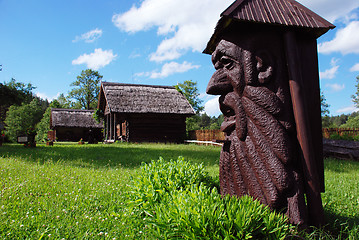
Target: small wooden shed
<point>74,124</point>
<point>143,113</point>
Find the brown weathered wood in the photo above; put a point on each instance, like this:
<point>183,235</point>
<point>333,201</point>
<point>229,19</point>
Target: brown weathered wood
<point>340,131</point>
<point>341,149</point>
<point>206,135</point>
<point>144,113</point>
<point>73,124</point>
<point>265,56</point>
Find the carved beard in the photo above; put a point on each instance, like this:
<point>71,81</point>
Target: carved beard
<point>257,157</point>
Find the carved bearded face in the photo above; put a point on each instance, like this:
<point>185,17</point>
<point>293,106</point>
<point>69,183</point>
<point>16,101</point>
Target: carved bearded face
<point>257,157</point>
<point>238,72</point>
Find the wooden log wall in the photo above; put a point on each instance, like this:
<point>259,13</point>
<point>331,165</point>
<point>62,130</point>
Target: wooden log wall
<point>156,128</point>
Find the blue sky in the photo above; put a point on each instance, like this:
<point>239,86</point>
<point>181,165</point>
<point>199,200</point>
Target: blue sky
<point>49,43</point>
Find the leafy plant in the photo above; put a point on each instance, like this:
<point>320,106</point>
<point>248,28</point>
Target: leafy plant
<point>22,119</point>
<point>336,136</point>
<point>98,115</point>
<point>159,178</point>
<point>177,199</point>
<point>201,213</point>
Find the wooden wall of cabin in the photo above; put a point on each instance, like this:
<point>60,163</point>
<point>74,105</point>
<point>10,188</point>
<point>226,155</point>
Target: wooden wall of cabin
<point>75,134</point>
<point>115,127</point>
<point>156,128</point>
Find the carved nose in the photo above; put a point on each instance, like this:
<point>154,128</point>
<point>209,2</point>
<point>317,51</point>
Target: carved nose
<point>219,84</point>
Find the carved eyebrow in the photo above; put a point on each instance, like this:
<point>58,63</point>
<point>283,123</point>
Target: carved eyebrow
<point>215,57</point>
<point>217,54</point>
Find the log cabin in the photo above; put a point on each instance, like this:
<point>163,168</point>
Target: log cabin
<point>143,113</point>
<point>74,124</point>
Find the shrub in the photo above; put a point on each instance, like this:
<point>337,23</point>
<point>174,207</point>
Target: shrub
<point>201,213</point>
<point>336,136</point>
<point>178,200</point>
<point>159,178</point>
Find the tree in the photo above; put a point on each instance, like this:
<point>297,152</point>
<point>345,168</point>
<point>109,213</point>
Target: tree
<point>355,97</point>
<point>86,95</point>
<point>324,105</point>
<point>14,93</point>
<point>22,119</point>
<point>44,125</point>
<point>189,89</point>
<point>353,122</point>
<point>63,102</point>
<point>24,91</point>
<point>203,121</point>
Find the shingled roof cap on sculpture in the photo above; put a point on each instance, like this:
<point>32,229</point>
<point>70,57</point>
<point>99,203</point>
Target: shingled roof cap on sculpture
<point>284,13</point>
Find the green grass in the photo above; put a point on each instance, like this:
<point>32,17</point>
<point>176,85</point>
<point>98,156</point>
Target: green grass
<point>76,191</point>
<point>341,199</point>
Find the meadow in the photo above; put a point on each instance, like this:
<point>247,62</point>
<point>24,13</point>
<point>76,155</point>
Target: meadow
<point>72,191</point>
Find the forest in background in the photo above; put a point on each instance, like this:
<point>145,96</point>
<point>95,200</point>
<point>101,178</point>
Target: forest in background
<point>22,112</point>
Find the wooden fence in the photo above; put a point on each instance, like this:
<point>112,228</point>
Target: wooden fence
<point>210,135</point>
<point>340,131</point>
<point>206,135</point>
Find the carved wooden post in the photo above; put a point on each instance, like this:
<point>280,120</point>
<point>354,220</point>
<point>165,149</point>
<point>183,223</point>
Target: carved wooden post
<point>265,56</point>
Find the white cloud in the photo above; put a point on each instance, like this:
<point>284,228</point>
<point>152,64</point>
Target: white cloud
<point>355,68</point>
<point>335,86</point>
<point>96,60</point>
<point>135,54</point>
<point>331,72</point>
<point>211,107</point>
<point>45,96</point>
<point>142,74</point>
<point>189,30</point>
<point>346,40</point>
<point>169,69</point>
<point>90,36</point>
<point>349,109</point>
<point>331,10</point>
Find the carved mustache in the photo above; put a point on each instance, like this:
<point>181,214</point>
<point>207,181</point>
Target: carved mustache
<point>232,108</point>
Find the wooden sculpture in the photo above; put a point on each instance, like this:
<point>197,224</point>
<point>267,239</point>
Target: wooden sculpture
<point>267,76</point>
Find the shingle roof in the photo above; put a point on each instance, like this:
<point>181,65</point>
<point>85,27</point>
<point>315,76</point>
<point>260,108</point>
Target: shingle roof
<point>284,13</point>
<point>73,118</point>
<point>133,98</point>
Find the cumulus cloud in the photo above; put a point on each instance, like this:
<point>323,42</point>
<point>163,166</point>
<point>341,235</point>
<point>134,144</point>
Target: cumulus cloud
<point>45,96</point>
<point>168,69</point>
<point>346,40</point>
<point>333,9</point>
<point>189,30</point>
<point>90,36</point>
<point>349,109</point>
<point>335,86</point>
<point>331,72</point>
<point>355,68</point>
<point>211,107</point>
<point>96,60</point>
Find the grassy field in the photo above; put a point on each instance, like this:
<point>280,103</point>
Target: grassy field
<point>76,191</point>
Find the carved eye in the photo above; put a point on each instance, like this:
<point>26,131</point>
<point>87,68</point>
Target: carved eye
<point>227,62</point>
